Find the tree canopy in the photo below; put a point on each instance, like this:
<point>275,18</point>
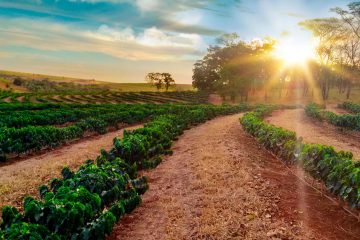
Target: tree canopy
<point>160,79</point>
<point>234,67</point>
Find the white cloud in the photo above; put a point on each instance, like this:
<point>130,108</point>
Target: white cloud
<point>151,44</point>
<point>155,37</point>
<point>148,5</point>
<point>155,5</point>
<point>107,33</point>
<point>98,1</point>
<point>150,37</point>
<point>144,5</point>
<point>191,17</point>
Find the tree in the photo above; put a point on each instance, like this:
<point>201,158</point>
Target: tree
<point>350,46</point>
<point>267,68</point>
<point>338,49</point>
<point>206,71</point>
<point>18,81</point>
<point>168,80</point>
<point>350,17</point>
<point>329,33</point>
<point>228,39</point>
<point>234,68</point>
<point>155,79</point>
<point>158,79</point>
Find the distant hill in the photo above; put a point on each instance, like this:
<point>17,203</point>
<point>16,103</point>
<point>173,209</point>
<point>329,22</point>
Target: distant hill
<point>32,82</point>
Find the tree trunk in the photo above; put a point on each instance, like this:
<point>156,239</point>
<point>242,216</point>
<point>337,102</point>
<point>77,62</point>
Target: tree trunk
<point>232,97</point>
<point>348,90</point>
<point>305,89</point>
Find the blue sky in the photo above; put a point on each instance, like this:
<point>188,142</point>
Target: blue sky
<point>122,40</point>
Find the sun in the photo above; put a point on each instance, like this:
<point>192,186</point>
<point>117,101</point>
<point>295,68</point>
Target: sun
<point>293,52</point>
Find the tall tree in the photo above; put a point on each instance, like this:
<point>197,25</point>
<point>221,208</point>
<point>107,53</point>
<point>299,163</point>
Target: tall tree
<point>206,71</point>
<point>338,49</point>
<point>168,80</point>
<point>159,79</point>
<point>156,79</point>
<point>328,32</point>
<point>234,68</point>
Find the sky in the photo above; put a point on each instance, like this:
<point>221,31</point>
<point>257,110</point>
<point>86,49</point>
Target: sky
<point>123,40</point>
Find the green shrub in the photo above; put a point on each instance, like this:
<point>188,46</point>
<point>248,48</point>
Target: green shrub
<point>350,121</point>
<point>336,169</point>
<point>352,107</point>
<point>86,204</point>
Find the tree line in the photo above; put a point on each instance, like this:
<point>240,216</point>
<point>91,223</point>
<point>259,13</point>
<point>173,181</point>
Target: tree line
<point>338,49</point>
<point>234,67</point>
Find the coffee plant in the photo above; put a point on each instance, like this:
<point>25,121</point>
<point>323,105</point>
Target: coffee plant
<point>86,204</point>
<point>337,170</point>
<point>349,121</point>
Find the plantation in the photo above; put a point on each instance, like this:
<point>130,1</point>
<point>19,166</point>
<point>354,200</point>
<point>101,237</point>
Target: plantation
<point>181,120</point>
<point>104,97</point>
<point>87,203</point>
<point>337,170</point>
<point>36,127</point>
<point>349,121</point>
<point>351,107</point>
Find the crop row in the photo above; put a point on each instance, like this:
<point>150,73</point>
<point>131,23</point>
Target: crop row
<point>86,204</point>
<point>351,107</point>
<point>63,114</point>
<point>35,138</point>
<point>337,170</point>
<point>350,121</point>
<point>106,97</point>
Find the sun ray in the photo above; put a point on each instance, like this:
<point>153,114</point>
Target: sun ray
<point>293,52</point>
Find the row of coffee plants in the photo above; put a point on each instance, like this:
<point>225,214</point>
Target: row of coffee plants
<point>86,204</point>
<point>142,146</point>
<point>105,97</point>
<point>81,205</point>
<point>9,107</point>
<point>63,114</point>
<point>337,170</point>
<point>35,138</point>
<point>349,121</point>
<point>351,107</point>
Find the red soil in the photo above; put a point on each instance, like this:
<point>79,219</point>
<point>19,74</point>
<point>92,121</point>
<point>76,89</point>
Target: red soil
<point>21,178</point>
<point>315,131</point>
<point>220,184</point>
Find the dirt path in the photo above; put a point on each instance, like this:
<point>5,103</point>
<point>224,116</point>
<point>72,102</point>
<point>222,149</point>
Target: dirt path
<point>23,178</point>
<point>314,131</point>
<point>219,184</point>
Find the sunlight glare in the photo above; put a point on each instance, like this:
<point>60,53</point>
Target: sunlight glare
<point>293,52</point>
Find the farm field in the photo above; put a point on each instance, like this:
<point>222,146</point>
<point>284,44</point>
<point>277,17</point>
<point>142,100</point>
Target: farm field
<point>315,131</point>
<point>179,120</point>
<point>23,177</point>
<point>7,77</point>
<point>138,149</point>
<point>104,97</point>
<point>249,194</point>
<point>256,202</point>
